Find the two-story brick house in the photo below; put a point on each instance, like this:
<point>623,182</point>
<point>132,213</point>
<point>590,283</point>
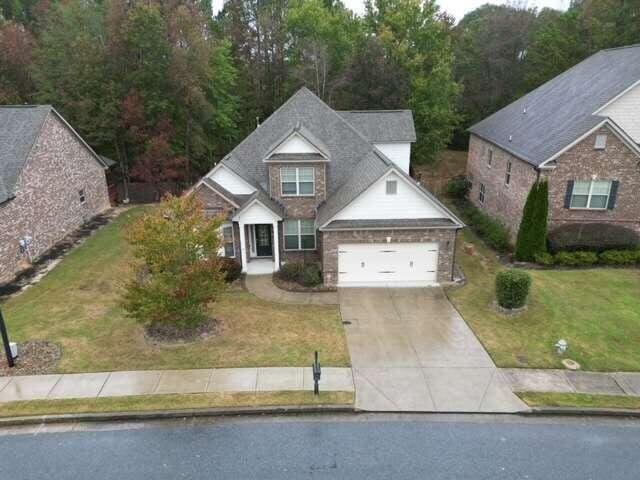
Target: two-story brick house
<point>51,183</point>
<point>580,131</point>
<point>315,184</point>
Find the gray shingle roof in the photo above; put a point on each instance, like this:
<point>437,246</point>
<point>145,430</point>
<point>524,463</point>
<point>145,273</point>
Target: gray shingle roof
<point>382,125</point>
<point>398,223</point>
<point>19,128</point>
<point>561,111</point>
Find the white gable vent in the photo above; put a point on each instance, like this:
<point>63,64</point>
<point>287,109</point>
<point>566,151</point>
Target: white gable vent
<point>601,141</point>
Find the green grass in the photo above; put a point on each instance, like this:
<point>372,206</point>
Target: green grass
<point>597,311</point>
<point>172,402</point>
<point>77,306</point>
<point>579,400</point>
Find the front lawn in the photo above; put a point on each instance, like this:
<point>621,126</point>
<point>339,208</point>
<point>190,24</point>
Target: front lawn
<point>597,311</point>
<point>77,306</point>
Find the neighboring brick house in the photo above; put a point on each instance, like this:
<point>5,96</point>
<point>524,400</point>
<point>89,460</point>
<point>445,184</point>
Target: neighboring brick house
<point>51,182</point>
<point>580,131</point>
<point>332,187</point>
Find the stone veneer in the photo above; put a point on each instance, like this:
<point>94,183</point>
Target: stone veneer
<point>581,162</point>
<point>47,204</point>
<point>446,239</point>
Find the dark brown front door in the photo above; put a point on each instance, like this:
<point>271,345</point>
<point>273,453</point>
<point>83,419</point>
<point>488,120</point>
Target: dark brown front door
<point>263,241</point>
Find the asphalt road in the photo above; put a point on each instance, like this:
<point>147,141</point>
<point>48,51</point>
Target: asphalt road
<point>350,447</point>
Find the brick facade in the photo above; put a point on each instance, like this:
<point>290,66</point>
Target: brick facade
<point>298,207</point>
<point>581,162</point>
<point>446,239</point>
<point>47,203</point>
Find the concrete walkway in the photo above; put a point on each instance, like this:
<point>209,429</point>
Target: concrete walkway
<point>567,381</point>
<point>149,382</point>
<point>412,351</point>
<point>262,287</point>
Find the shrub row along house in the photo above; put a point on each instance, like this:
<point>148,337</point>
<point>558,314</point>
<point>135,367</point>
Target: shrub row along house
<point>51,182</point>
<point>581,131</point>
<point>319,185</point>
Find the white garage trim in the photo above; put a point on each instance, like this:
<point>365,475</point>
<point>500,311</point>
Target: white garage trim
<point>388,264</point>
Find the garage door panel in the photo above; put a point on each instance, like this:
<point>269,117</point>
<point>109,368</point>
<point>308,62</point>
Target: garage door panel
<point>370,264</point>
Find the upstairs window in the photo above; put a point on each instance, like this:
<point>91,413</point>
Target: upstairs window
<point>507,176</point>
<point>81,196</point>
<point>601,141</point>
<point>392,187</point>
<point>299,235</point>
<point>490,158</point>
<point>297,181</point>
<point>591,194</point>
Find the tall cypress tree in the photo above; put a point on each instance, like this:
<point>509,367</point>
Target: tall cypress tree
<point>532,234</point>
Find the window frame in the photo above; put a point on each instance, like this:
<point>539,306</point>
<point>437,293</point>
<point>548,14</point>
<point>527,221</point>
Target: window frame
<point>82,196</point>
<point>395,188</point>
<point>298,182</point>
<point>490,158</point>
<point>590,195</point>
<point>225,242</point>
<point>507,175</point>
<point>482,193</point>
<point>603,146</point>
<point>298,234</point>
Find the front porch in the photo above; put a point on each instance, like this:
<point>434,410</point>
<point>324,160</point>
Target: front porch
<point>259,239</point>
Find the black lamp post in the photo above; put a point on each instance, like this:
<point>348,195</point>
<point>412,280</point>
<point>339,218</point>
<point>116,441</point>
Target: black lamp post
<point>5,341</point>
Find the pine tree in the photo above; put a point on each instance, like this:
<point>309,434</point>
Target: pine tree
<point>532,234</point>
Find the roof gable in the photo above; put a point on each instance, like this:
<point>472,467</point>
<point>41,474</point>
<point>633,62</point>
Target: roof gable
<point>543,122</point>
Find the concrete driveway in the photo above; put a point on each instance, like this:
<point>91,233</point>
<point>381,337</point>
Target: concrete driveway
<point>412,351</point>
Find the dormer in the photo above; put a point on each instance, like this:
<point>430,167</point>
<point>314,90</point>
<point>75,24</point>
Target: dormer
<point>298,145</point>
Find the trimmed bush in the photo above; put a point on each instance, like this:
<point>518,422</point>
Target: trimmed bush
<point>291,271</point>
<point>231,268</point>
<point>576,259</point>
<point>512,288</point>
<point>532,234</point>
<point>458,187</point>
<point>620,257</point>
<point>311,276</point>
<point>493,231</point>
<point>595,237</point>
<point>544,258</point>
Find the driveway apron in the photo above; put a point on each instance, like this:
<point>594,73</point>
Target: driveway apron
<point>412,351</point>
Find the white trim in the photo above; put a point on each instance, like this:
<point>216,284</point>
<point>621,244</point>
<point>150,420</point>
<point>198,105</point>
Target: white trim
<point>620,95</point>
<point>606,122</point>
<point>295,131</point>
<point>590,194</point>
<point>297,194</point>
<point>248,204</point>
<point>220,165</point>
<point>412,184</point>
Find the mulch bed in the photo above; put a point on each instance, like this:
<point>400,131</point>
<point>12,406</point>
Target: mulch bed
<point>34,358</point>
<point>297,287</point>
<point>169,334</point>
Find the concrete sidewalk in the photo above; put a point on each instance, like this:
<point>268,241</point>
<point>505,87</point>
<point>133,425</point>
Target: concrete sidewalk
<point>567,381</point>
<point>150,382</point>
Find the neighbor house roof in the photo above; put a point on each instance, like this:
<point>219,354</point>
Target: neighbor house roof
<point>556,114</point>
<point>380,126</point>
<point>20,126</point>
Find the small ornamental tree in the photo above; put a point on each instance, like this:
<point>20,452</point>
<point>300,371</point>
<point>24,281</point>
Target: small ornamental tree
<point>532,234</point>
<point>178,270</point>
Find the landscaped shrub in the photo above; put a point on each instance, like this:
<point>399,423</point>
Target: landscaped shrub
<point>544,258</point>
<point>291,271</point>
<point>231,268</point>
<point>458,187</point>
<point>620,257</point>
<point>576,259</point>
<point>595,237</point>
<point>311,275</point>
<point>532,234</point>
<point>512,288</point>
<point>493,231</point>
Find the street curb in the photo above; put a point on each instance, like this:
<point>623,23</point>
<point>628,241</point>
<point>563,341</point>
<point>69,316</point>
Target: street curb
<point>169,414</point>
<point>576,411</point>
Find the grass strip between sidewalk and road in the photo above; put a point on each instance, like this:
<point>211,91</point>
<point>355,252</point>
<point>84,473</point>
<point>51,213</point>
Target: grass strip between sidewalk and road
<point>143,403</point>
<point>579,400</point>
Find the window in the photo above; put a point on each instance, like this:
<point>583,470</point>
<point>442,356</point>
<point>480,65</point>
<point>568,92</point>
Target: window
<point>299,235</point>
<point>470,180</point>
<point>507,176</point>
<point>392,187</point>
<point>227,239</point>
<point>82,196</point>
<point>481,193</point>
<point>601,141</point>
<point>592,194</point>
<point>490,158</point>
<point>297,181</point>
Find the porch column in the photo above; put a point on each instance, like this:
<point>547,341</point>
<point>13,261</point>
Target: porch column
<point>243,248</point>
<point>276,247</point>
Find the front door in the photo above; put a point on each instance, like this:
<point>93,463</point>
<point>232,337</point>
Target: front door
<point>263,241</point>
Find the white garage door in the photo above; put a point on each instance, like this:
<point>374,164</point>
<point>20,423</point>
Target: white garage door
<point>381,264</point>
